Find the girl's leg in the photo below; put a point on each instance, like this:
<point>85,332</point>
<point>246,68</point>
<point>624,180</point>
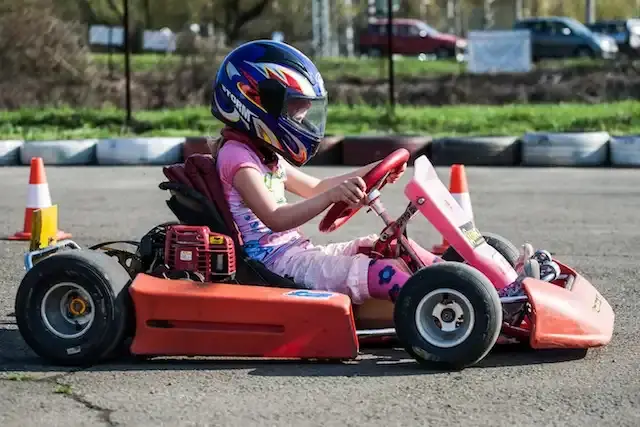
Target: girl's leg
<point>354,246</point>
<point>385,278</point>
<point>320,269</point>
<point>338,267</point>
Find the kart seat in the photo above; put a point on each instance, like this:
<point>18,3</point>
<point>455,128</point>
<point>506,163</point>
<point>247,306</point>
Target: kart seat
<point>197,199</point>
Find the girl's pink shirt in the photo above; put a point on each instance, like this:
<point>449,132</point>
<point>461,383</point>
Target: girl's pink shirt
<point>260,242</point>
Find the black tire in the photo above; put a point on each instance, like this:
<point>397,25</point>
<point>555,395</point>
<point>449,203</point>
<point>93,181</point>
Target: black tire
<point>476,150</point>
<point>497,242</point>
<point>103,279</point>
<point>444,53</point>
<point>481,296</point>
<point>584,52</point>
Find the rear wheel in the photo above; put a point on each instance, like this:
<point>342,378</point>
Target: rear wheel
<point>443,53</point>
<point>584,52</point>
<point>72,308</point>
<point>448,315</point>
<point>497,242</point>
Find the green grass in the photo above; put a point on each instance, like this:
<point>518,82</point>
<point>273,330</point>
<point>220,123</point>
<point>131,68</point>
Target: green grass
<point>621,117</point>
<point>331,68</point>
<point>63,389</point>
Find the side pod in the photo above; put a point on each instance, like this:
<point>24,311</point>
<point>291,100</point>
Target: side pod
<point>185,318</point>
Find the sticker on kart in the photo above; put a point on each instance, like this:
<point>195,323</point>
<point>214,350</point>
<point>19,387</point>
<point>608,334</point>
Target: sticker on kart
<point>310,294</point>
<point>472,234</point>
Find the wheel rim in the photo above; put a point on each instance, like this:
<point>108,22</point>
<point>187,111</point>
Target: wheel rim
<point>444,318</point>
<point>67,310</point>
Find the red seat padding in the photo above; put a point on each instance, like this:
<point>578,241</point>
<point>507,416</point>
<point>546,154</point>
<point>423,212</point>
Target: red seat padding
<point>176,173</point>
<point>199,172</point>
<point>199,181</point>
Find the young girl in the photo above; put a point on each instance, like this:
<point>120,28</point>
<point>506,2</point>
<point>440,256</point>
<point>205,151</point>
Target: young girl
<point>274,104</point>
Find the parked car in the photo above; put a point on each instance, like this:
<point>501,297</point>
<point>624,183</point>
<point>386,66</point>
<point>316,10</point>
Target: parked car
<point>562,37</point>
<point>411,37</point>
<point>626,33</point>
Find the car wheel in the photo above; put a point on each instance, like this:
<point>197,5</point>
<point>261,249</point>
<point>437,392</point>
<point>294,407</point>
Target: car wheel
<point>443,53</point>
<point>584,52</point>
<point>73,308</point>
<point>504,247</point>
<point>448,315</point>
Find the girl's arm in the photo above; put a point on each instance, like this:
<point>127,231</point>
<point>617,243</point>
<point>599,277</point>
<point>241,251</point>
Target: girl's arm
<point>305,185</point>
<point>250,184</point>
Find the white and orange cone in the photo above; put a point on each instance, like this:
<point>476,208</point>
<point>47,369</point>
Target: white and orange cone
<point>38,197</point>
<point>459,189</point>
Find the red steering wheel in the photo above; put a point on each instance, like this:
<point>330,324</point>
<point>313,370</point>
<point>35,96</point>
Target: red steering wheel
<point>376,178</point>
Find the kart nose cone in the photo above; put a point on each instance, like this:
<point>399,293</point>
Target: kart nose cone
<point>573,317</point>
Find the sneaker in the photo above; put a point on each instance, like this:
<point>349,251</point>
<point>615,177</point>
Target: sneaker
<point>549,269</point>
<point>546,268</point>
<point>526,253</point>
<point>530,268</point>
<point>542,256</point>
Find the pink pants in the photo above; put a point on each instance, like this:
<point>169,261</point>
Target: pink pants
<point>336,267</point>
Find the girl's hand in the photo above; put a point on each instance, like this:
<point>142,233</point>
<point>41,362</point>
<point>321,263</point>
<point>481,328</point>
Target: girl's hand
<point>351,191</point>
<point>396,174</point>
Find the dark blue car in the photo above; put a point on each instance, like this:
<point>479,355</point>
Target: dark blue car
<point>626,33</point>
<point>563,37</point>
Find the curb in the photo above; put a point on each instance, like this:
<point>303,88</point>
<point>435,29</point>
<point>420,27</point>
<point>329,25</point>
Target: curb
<point>565,149</point>
<point>548,149</point>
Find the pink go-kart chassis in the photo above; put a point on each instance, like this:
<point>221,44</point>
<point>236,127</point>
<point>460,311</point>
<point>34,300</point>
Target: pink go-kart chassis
<point>451,312</point>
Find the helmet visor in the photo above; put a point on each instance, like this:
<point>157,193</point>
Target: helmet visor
<point>310,114</point>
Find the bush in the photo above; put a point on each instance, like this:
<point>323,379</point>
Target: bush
<point>38,50</point>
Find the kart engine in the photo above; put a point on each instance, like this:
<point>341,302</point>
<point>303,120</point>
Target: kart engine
<point>199,250</point>
<point>188,252</point>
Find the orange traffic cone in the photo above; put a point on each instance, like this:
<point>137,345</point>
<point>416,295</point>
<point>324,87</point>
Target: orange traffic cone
<point>38,197</point>
<point>459,189</point>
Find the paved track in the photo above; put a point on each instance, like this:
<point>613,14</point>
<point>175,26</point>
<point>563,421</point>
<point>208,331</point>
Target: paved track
<point>588,217</point>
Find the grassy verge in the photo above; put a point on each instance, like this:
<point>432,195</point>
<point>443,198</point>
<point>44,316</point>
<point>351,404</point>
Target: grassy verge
<point>332,68</point>
<point>622,117</point>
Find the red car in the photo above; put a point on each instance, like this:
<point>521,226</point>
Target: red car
<point>411,37</point>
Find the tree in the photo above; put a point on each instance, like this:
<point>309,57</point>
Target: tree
<point>233,15</point>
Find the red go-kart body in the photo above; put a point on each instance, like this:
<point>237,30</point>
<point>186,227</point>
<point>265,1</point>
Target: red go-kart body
<point>174,317</point>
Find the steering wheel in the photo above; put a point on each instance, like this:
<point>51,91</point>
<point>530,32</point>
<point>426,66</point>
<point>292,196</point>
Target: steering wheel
<point>375,179</point>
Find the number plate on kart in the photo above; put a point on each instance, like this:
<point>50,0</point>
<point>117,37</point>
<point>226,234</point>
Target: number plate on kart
<point>472,234</point>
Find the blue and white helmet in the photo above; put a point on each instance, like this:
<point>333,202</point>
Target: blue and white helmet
<point>275,94</point>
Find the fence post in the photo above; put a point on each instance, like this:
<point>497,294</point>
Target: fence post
<point>127,62</point>
<point>590,11</point>
<point>392,93</point>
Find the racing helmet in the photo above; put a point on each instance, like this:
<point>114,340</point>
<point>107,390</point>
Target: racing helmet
<point>273,93</point>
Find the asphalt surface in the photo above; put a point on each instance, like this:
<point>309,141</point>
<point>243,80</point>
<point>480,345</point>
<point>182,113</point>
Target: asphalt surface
<point>587,217</point>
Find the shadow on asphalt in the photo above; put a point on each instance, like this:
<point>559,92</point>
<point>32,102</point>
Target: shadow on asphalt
<point>375,361</point>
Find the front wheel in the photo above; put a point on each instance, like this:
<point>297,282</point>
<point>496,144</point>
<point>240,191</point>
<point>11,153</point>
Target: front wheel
<point>503,246</point>
<point>448,315</point>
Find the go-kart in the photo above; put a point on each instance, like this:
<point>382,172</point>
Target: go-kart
<point>189,289</point>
